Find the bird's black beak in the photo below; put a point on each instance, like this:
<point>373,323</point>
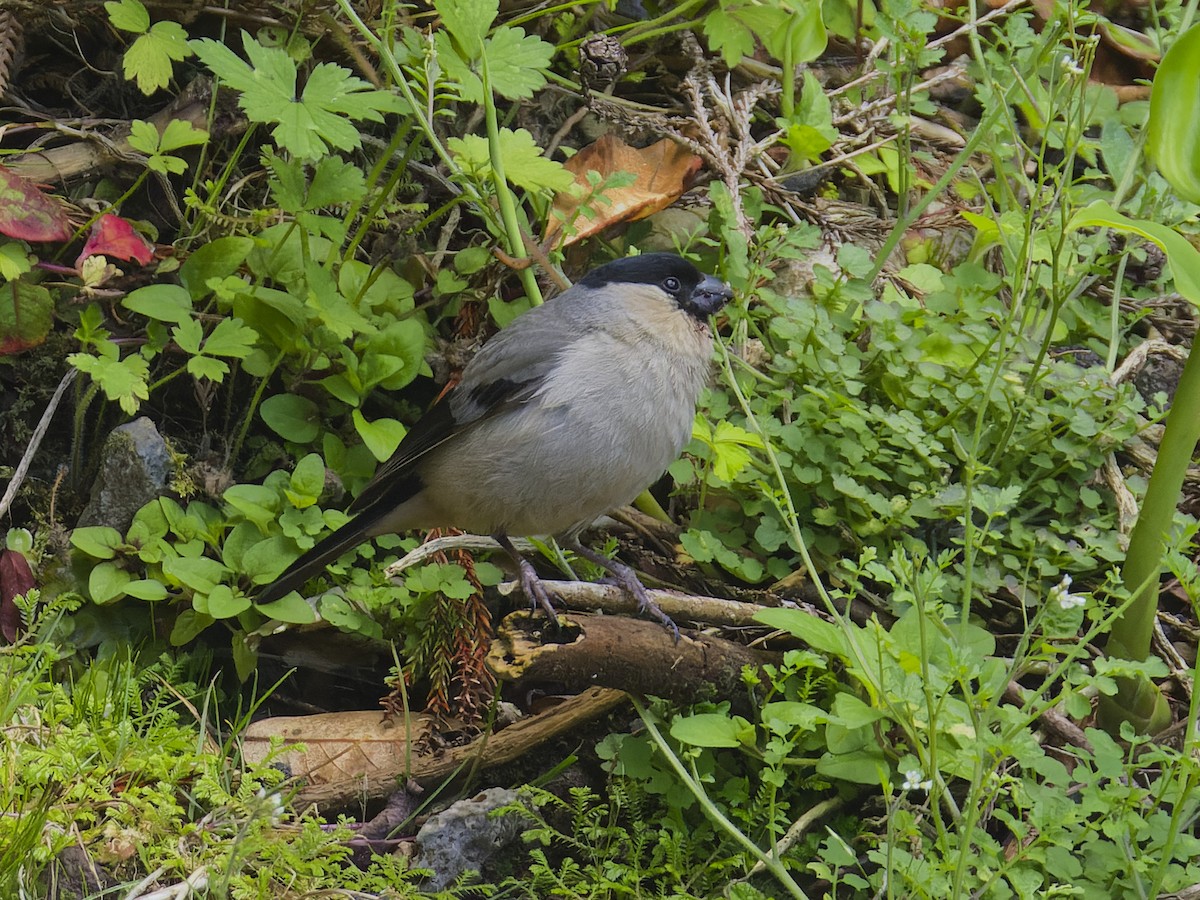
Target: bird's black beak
<point>709,296</point>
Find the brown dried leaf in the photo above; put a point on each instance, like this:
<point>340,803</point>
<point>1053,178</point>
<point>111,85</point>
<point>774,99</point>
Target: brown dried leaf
<point>661,174</point>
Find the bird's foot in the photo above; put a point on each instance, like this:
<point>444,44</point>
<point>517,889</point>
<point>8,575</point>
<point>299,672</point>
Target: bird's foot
<point>625,578</point>
<point>535,590</point>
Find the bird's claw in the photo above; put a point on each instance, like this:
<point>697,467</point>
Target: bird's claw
<point>535,591</point>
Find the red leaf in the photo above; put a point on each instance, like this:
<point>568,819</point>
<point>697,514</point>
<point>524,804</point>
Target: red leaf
<point>114,237</point>
<point>15,578</point>
<point>27,213</point>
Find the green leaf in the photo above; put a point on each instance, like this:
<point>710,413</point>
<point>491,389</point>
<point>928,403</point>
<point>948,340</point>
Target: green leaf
<point>516,65</point>
<point>200,573</point>
<point>188,626</point>
<point>161,302</point>
<point>223,603</point>
<point>866,766</point>
<point>26,315</point>
<point>14,260</point>
<point>212,261</point>
<point>245,657</point>
<point>467,21</point>
<point>291,608</point>
<point>1173,129</point>
<point>181,133</point>
<point>382,436</point>
<point>853,712</point>
<point>293,418</point>
<point>712,730</point>
<point>106,583</point>
<point>265,560</point>
<point>524,164</point>
<point>208,368</point>
<point>128,15</point>
<point>121,380</point>
<point>99,541</point>
<point>323,115</point>
<point>231,337</point>
<point>782,716</point>
<point>817,633</point>
<point>307,482</point>
<point>146,589</point>
<point>1182,257</point>
<point>188,334</point>
<point>149,60</point>
<point>727,36</point>
<point>257,503</point>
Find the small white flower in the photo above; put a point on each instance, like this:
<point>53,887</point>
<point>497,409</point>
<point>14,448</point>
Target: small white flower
<point>1069,65</point>
<point>913,782</point>
<point>1061,594</point>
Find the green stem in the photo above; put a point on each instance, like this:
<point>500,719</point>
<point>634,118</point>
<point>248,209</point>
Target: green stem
<point>718,818</point>
<point>504,197</point>
<point>1130,638</point>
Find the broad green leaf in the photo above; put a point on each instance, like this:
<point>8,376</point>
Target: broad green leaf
<point>853,712</point>
<point>1173,130</point>
<point>188,626</point>
<point>257,503</point>
<point>99,541</point>
<point>727,36</point>
<point>231,337</point>
<point>293,418</point>
<point>712,730</point>
<point>1182,257</point>
<point>865,766</point>
<point>382,436</point>
<point>208,368</point>
<point>215,260</point>
<point>14,260</point>
<point>265,560</point>
<point>307,481</point>
<point>291,608</point>
<point>516,62</point>
<point>106,583</point>
<point>817,633</point>
<point>181,133</point>
<point>146,589</point>
<point>782,716</point>
<point>223,603</point>
<point>201,574</point>
<point>161,302</point>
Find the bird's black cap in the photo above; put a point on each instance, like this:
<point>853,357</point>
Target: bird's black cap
<point>697,293</point>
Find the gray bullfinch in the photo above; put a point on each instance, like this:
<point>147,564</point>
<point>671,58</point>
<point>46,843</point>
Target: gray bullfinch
<point>569,412</point>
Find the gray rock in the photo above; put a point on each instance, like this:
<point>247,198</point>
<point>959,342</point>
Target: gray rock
<point>465,836</point>
<point>134,469</point>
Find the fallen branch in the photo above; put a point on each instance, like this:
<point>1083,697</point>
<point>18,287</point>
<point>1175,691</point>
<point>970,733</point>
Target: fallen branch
<point>348,778</point>
<point>632,655</point>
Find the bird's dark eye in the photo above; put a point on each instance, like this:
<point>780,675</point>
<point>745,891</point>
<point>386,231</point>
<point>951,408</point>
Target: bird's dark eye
<point>671,284</point>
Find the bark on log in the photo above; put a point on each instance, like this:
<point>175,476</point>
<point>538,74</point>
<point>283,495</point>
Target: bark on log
<point>626,654</point>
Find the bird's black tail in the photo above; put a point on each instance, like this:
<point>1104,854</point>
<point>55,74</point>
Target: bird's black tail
<point>313,562</point>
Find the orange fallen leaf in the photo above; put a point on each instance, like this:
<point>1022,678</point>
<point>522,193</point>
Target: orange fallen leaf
<point>654,178</point>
